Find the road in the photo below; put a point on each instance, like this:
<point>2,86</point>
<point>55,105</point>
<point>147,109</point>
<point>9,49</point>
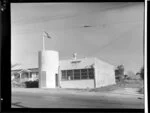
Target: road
<point>51,98</point>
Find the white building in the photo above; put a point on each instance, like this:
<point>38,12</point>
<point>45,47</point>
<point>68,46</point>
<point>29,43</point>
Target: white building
<point>71,73</point>
<point>85,73</point>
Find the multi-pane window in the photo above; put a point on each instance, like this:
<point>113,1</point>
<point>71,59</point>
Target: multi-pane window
<point>78,74</point>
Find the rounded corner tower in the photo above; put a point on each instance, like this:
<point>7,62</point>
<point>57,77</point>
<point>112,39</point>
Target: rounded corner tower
<point>48,68</point>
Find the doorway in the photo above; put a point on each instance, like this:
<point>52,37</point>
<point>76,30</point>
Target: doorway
<point>56,79</point>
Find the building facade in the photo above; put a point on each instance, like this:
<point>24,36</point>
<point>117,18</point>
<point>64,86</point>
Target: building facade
<point>78,73</point>
<point>86,73</point>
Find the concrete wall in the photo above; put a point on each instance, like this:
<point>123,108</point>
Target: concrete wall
<point>77,84</point>
<point>104,73</point>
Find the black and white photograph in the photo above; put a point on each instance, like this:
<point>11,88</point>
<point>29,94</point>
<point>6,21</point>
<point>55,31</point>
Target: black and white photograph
<point>77,55</point>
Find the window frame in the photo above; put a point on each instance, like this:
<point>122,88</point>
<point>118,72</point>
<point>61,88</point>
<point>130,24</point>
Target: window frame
<point>80,74</point>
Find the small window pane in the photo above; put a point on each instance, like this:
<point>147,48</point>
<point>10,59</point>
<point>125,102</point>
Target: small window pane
<point>69,74</point>
<point>77,74</point>
<point>84,74</point>
<point>91,73</point>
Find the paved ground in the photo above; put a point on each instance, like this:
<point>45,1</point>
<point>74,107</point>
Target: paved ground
<point>62,98</point>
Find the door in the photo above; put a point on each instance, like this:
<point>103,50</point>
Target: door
<point>56,79</point>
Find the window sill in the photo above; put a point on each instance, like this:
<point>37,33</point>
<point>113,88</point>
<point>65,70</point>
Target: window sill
<point>78,79</point>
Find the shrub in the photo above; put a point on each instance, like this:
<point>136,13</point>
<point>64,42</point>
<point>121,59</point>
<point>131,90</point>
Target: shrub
<point>141,90</point>
<point>17,84</point>
<point>32,84</point>
<point>119,73</point>
<point>142,73</point>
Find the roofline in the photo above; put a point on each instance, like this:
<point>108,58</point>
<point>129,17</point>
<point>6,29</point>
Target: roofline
<point>24,69</point>
<point>77,59</point>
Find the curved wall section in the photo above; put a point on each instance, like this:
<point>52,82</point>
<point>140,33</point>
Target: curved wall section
<point>48,68</point>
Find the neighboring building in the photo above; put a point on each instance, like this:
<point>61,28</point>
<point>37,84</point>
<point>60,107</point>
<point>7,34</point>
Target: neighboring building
<point>25,74</point>
<point>77,73</point>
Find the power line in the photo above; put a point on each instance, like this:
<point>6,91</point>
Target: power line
<point>57,17</point>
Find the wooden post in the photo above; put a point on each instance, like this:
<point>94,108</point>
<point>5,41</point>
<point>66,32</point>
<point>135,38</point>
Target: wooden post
<point>20,76</point>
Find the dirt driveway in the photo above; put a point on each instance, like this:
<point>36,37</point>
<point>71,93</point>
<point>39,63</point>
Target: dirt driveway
<point>64,98</point>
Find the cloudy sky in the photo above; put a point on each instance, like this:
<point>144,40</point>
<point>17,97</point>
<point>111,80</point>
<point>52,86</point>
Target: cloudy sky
<point>114,33</point>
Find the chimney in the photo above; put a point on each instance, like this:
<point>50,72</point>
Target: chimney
<point>74,56</point>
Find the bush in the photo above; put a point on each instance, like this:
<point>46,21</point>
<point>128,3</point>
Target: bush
<point>16,84</point>
<point>32,84</point>
<point>119,73</point>
<point>141,90</point>
<point>142,73</point>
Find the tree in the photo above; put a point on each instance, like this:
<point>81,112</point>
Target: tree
<point>119,72</point>
<point>142,73</point>
<point>142,77</point>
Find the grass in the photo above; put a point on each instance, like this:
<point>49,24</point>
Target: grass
<point>121,85</point>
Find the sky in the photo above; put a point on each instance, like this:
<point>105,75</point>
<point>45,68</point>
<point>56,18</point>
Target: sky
<point>114,33</point>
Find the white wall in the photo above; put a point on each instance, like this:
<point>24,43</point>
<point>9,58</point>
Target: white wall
<point>77,84</point>
<point>48,62</point>
<point>104,73</point>
<point>83,63</point>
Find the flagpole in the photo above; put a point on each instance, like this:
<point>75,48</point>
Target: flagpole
<point>43,43</point>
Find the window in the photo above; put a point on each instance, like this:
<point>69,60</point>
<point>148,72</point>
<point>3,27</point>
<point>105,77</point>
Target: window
<point>77,74</point>
<point>75,61</point>
<point>69,74</point>
<point>64,77</point>
<point>24,75</point>
<point>91,73</point>
<point>84,74</point>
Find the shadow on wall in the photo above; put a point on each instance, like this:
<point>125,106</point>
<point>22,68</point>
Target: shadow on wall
<point>17,104</point>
